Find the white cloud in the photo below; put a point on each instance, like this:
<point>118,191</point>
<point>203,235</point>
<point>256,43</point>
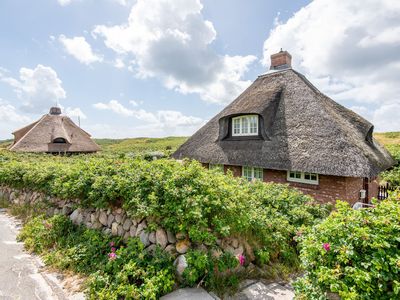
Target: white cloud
<point>170,39</point>
<point>122,2</point>
<point>75,112</point>
<point>10,119</point>
<point>349,49</point>
<point>162,120</point>
<point>119,63</point>
<point>8,113</point>
<point>64,2</point>
<point>118,108</point>
<point>79,48</point>
<point>38,88</point>
<point>133,103</point>
<point>386,118</point>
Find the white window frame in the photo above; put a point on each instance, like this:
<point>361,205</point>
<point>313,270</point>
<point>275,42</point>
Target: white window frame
<point>253,171</point>
<point>242,120</point>
<point>302,178</point>
<point>218,167</point>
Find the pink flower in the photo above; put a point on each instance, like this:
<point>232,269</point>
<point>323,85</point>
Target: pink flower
<point>326,246</point>
<point>112,256</point>
<point>47,225</point>
<point>241,259</point>
<point>113,249</point>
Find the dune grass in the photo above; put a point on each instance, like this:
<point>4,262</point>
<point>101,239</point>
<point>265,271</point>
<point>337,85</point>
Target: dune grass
<point>388,138</point>
<point>140,144</point>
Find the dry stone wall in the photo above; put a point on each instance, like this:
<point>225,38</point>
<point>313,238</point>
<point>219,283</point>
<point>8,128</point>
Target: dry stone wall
<point>116,222</point>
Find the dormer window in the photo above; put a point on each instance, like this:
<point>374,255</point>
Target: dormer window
<point>59,140</point>
<point>245,125</point>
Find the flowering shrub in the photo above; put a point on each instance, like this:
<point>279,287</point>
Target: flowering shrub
<point>184,197</point>
<point>354,253</point>
<point>132,273</point>
<point>115,271</point>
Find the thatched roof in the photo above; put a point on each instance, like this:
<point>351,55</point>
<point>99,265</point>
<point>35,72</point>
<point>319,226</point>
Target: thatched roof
<point>301,129</point>
<point>42,136</point>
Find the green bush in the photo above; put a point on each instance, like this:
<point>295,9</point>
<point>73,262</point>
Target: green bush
<point>115,272</point>
<point>393,176</point>
<point>394,151</point>
<point>133,274</point>
<point>354,253</point>
<point>185,197</point>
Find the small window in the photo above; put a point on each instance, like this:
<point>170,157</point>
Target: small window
<point>245,125</point>
<point>302,177</point>
<point>251,173</point>
<point>218,167</point>
<point>59,141</point>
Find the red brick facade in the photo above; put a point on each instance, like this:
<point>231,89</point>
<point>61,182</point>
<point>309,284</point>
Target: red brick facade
<point>329,188</point>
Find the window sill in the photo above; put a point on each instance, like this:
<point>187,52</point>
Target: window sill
<point>310,186</point>
<point>244,138</point>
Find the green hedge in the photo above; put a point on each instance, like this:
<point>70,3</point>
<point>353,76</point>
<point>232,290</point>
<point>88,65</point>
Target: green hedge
<point>354,253</point>
<point>184,197</point>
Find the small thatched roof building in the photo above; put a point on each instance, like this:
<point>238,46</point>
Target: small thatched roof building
<point>295,128</point>
<point>53,133</point>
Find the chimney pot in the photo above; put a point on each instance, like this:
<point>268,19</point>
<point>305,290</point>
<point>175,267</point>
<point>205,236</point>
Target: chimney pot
<point>281,60</point>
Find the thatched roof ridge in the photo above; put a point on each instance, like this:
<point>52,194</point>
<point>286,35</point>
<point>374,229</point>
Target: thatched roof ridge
<point>40,136</point>
<point>301,130</point>
<point>18,134</point>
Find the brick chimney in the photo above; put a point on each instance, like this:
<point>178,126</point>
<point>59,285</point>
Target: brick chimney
<point>281,60</point>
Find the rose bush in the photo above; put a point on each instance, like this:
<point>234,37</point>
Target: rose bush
<point>184,197</point>
<point>353,253</point>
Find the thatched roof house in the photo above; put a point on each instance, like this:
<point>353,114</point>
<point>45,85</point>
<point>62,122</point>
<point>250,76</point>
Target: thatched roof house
<point>53,133</point>
<point>284,123</point>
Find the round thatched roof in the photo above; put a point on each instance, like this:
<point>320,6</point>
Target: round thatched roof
<point>53,133</point>
<point>301,130</point>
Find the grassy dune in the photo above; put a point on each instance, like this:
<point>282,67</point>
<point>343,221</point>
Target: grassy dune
<point>141,144</point>
<point>388,138</point>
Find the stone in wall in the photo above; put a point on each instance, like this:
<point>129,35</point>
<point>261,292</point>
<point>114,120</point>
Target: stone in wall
<point>161,238</point>
<point>182,246</point>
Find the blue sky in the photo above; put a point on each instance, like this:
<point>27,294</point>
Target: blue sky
<point>164,67</point>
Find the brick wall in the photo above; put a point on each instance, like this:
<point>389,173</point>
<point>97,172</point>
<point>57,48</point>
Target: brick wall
<point>353,187</point>
<point>373,186</point>
<point>329,189</point>
<point>236,170</point>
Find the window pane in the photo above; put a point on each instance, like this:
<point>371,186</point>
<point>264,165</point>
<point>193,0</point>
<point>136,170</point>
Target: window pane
<point>247,173</point>
<point>291,175</point>
<point>314,177</point>
<point>245,125</point>
<point>253,124</point>
<point>258,173</point>
<point>307,176</point>
<point>298,175</point>
<point>236,126</point>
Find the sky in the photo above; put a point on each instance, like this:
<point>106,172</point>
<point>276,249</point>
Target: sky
<point>154,68</point>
